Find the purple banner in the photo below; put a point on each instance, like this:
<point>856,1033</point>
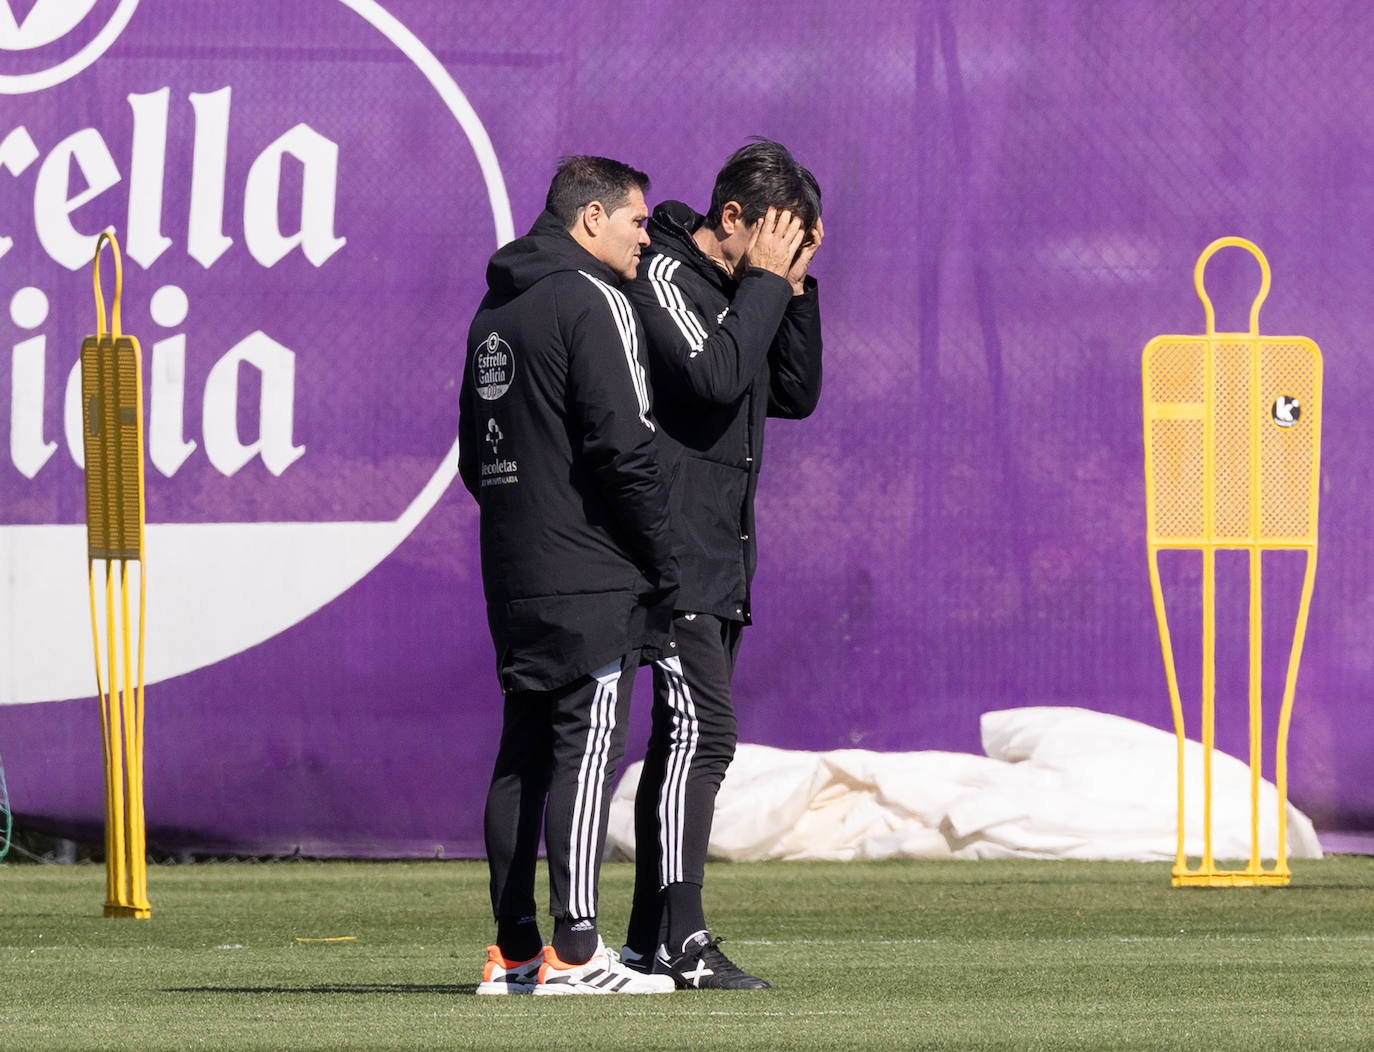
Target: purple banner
<point>306,195</point>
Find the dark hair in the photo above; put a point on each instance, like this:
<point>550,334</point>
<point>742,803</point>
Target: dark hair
<point>765,175</point>
<point>581,180</point>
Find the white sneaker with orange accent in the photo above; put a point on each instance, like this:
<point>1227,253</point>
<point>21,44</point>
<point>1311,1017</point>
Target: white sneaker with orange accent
<point>602,974</point>
<point>501,976</point>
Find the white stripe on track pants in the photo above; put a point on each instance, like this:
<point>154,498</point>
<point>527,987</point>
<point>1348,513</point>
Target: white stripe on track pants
<point>559,753</point>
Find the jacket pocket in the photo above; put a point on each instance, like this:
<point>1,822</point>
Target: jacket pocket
<point>706,505</point>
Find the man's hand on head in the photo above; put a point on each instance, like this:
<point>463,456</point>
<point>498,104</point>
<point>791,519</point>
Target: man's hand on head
<point>797,274</point>
<point>776,240</point>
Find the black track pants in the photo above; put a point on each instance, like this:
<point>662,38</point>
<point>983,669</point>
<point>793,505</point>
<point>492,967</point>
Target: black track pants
<point>561,748</point>
<point>691,743</point>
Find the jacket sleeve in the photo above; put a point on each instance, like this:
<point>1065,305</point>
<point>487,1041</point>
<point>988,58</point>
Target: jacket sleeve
<point>608,413</point>
<point>712,362</point>
<point>468,460</point>
<point>794,360</point>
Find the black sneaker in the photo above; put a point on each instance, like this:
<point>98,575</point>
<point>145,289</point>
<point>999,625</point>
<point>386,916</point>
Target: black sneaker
<point>703,967</point>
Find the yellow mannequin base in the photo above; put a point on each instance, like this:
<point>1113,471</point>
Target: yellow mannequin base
<point>1230,878</point>
<point>139,912</point>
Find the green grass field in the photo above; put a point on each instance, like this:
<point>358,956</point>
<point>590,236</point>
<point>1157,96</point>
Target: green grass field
<point>1012,955</point>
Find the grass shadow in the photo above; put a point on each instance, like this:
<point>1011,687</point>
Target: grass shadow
<point>362,989</point>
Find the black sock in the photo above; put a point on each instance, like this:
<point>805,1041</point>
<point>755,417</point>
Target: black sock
<point>574,939</point>
<point>646,917</point>
<point>518,937</point>
<point>685,914</point>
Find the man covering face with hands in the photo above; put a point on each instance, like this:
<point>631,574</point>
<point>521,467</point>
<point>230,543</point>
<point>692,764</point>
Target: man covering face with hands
<point>734,336</point>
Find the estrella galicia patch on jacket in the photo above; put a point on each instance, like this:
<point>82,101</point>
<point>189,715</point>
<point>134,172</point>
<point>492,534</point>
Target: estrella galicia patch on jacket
<point>493,367</point>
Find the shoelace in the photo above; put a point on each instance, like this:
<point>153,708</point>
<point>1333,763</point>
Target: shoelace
<point>717,954</point>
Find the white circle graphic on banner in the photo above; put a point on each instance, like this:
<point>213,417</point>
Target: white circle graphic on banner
<point>46,22</point>
<point>282,571</point>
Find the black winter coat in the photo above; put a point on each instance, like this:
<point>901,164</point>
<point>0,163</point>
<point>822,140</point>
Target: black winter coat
<point>557,445</point>
<point>723,356</point>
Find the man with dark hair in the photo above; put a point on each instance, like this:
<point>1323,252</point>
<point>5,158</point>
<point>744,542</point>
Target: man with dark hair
<point>761,176</point>
<point>557,446</point>
<point>583,179</point>
<point>734,332</point>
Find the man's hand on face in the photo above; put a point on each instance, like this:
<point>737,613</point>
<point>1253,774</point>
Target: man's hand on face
<point>797,275</point>
<point>776,241</point>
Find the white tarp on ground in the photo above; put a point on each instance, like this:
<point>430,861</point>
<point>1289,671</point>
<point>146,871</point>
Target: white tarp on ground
<point>1055,783</point>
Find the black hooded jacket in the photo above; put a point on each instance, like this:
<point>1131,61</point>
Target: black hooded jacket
<point>557,445</point>
<point>723,356</point>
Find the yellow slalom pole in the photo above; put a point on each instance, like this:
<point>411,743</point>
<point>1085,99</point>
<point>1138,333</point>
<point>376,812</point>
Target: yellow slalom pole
<point>112,406</point>
<point>116,870</point>
<point>139,894</point>
<point>108,741</point>
<point>135,851</point>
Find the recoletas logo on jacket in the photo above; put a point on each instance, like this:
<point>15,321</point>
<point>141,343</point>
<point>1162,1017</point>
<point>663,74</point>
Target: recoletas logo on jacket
<point>273,179</point>
<point>496,469</point>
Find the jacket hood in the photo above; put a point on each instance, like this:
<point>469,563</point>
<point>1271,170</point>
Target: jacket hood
<point>675,219</point>
<point>673,223</point>
<point>670,233</point>
<point>547,249</point>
